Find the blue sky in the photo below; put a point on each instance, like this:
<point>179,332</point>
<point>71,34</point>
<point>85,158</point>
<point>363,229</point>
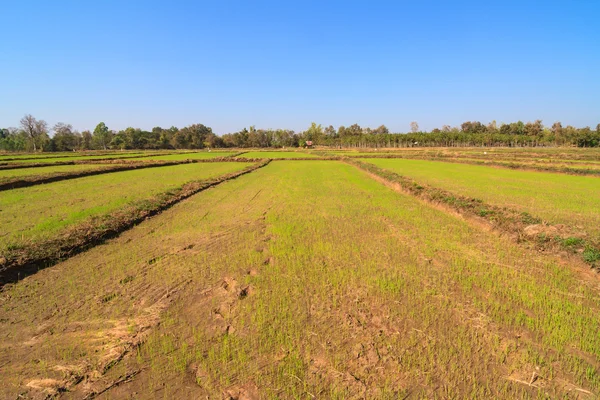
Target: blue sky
<point>283,64</point>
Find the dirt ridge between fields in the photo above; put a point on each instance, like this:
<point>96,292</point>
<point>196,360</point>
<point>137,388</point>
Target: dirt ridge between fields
<point>522,226</point>
<point>17,263</point>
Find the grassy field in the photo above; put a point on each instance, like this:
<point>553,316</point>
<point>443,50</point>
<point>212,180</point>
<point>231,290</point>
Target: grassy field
<point>538,161</point>
<point>192,156</point>
<point>556,198</point>
<point>277,154</point>
<point>67,153</point>
<point>483,153</point>
<point>9,174</point>
<point>76,158</point>
<point>40,212</point>
<point>304,280</point>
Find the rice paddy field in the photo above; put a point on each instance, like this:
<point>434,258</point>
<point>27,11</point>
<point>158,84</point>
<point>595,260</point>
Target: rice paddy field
<point>36,213</point>
<point>277,154</point>
<point>560,198</point>
<point>50,159</point>
<point>8,174</point>
<point>192,155</point>
<point>303,279</point>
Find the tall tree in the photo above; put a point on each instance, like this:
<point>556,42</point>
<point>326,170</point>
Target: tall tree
<point>330,131</point>
<point>354,130</point>
<point>381,130</point>
<point>34,129</point>
<point>102,136</point>
<point>65,139</point>
<point>86,140</point>
<point>314,133</point>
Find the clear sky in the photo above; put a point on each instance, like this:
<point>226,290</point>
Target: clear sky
<point>283,64</point>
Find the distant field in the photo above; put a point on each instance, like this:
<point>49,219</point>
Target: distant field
<point>277,154</point>
<point>368,153</point>
<point>192,156</point>
<point>559,163</point>
<point>302,280</point>
<point>71,153</point>
<point>75,158</point>
<point>39,212</point>
<point>557,198</point>
<point>9,174</point>
<point>35,155</point>
<point>549,154</point>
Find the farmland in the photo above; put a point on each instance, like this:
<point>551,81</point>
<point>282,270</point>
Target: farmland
<point>7,174</point>
<point>192,155</point>
<point>37,213</point>
<point>555,197</point>
<point>304,279</point>
<point>72,158</point>
<point>277,154</point>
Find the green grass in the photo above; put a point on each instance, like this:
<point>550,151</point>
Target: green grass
<point>350,288</point>
<point>556,198</point>
<point>10,174</point>
<point>192,156</point>
<point>67,154</point>
<point>40,212</point>
<point>538,162</point>
<point>34,155</point>
<point>278,154</point>
<point>76,158</point>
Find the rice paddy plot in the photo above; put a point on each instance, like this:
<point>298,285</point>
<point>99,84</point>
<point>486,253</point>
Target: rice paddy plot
<point>556,198</point>
<point>76,158</point>
<point>40,212</point>
<point>278,154</point>
<point>10,174</point>
<point>191,156</point>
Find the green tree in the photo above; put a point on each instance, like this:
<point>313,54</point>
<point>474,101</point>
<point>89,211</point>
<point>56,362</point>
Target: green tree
<point>381,130</point>
<point>314,133</point>
<point>86,140</point>
<point>65,139</point>
<point>102,135</point>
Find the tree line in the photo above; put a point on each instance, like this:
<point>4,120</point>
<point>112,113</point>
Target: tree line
<point>35,135</point>
<point>470,133</point>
